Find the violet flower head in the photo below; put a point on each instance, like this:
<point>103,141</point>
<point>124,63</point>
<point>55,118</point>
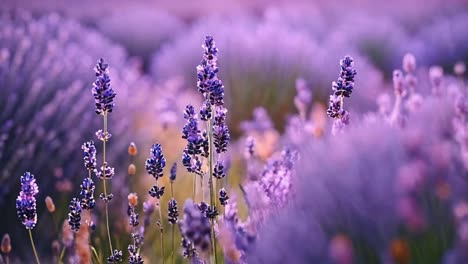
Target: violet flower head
<point>87,200</point>
<point>219,170</point>
<point>116,257</point>
<point>220,130</point>
<point>334,108</point>
<point>195,227</point>
<point>191,132</point>
<point>156,191</point>
<point>89,155</point>
<point>173,212</point>
<point>173,173</point>
<point>192,164</point>
<point>102,91</point>
<point>156,163</point>
<point>74,214</point>
<point>134,216</point>
<point>207,80</point>
<point>223,197</point>
<point>26,201</point>
<point>345,83</point>
<point>134,257</point>
<point>105,172</point>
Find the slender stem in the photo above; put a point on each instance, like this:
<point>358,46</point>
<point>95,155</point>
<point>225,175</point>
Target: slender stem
<point>161,229</point>
<point>210,181</point>
<point>6,259</point>
<point>33,247</point>
<point>62,254</point>
<point>194,187</point>
<point>172,190</point>
<point>104,182</point>
<point>172,241</point>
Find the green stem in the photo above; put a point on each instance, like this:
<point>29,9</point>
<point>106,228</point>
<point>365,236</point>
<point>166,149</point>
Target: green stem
<point>161,229</point>
<point>210,181</point>
<point>62,254</point>
<point>33,247</point>
<point>104,182</point>
<point>172,241</point>
<point>194,187</point>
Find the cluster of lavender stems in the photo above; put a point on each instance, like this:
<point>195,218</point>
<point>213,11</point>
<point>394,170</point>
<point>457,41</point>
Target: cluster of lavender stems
<point>201,146</point>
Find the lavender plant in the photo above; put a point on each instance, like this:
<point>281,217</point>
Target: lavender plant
<point>342,88</point>
<point>214,138</point>
<point>154,166</point>
<point>26,206</point>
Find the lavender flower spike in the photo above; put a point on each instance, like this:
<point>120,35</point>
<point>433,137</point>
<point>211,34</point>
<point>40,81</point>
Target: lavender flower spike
<point>102,91</point>
<point>345,83</point>
<point>74,214</point>
<point>173,212</point>
<point>342,88</point>
<point>26,202</point>
<point>89,155</point>
<point>87,194</point>
<point>156,163</point>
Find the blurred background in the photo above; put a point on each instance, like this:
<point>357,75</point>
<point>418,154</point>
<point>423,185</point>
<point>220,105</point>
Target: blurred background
<point>267,49</point>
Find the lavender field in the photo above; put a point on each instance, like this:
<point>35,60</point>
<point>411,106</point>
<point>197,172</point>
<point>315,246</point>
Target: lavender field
<point>237,132</point>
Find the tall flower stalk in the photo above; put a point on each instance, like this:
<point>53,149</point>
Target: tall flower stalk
<point>342,88</point>
<point>202,145</point>
<point>104,101</point>
<point>26,206</point>
<point>173,213</point>
<point>155,165</point>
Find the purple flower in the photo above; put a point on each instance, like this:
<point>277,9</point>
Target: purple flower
<point>156,191</point>
<point>221,134</point>
<point>102,91</point>
<point>134,257</point>
<point>219,171</point>
<point>345,83</point>
<point>173,212</point>
<point>208,83</point>
<point>223,197</point>
<point>26,202</point>
<point>192,164</point>
<point>87,194</point>
<point>205,111</point>
<point>334,108</point>
<point>116,257</point>
<point>195,227</point>
<point>74,214</point>
<point>105,172</point>
<point>191,132</point>
<point>173,172</point>
<point>156,163</point>
<point>133,216</point>
<point>89,155</point>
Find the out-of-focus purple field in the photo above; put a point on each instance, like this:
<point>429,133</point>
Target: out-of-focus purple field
<point>324,132</point>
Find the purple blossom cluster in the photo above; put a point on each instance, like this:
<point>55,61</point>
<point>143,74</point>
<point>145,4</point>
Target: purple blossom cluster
<point>26,201</point>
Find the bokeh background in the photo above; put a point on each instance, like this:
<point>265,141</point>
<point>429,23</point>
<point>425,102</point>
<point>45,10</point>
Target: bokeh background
<point>48,50</point>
